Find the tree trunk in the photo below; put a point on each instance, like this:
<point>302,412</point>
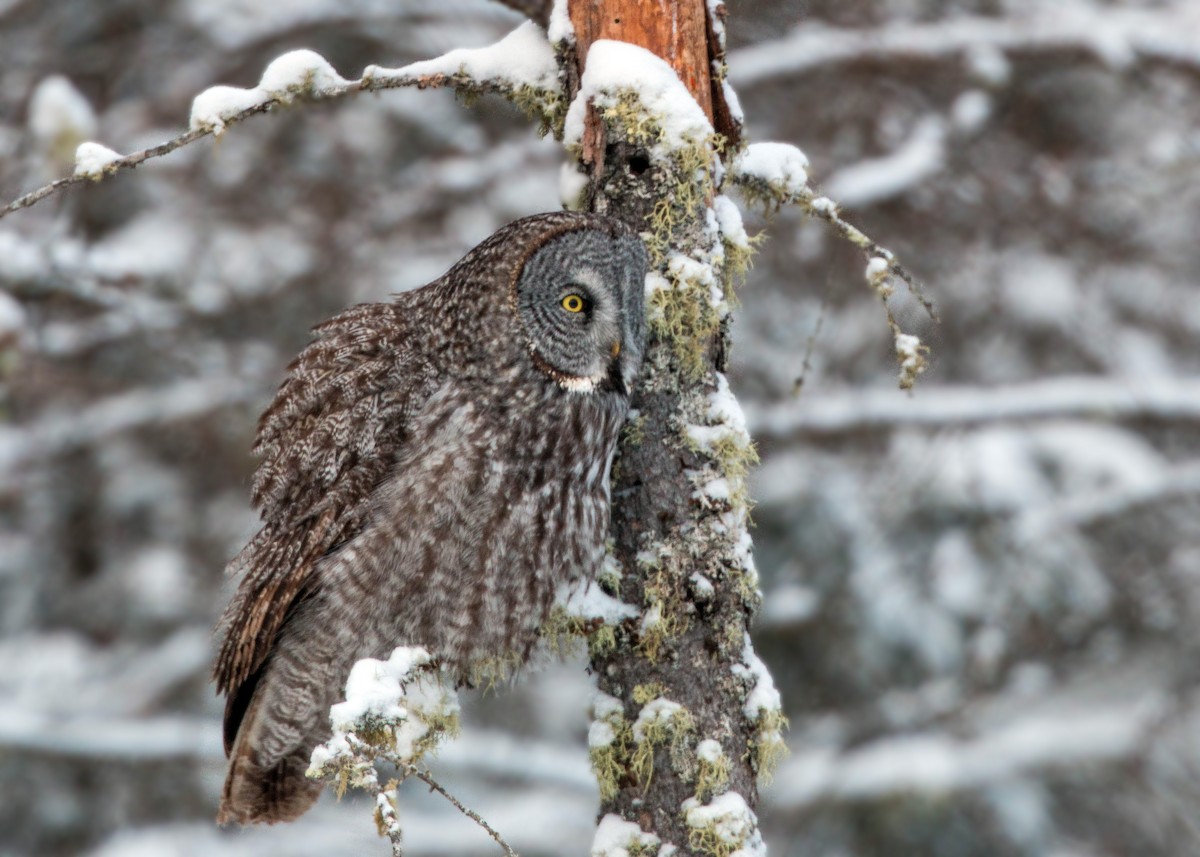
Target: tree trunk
<point>684,555</point>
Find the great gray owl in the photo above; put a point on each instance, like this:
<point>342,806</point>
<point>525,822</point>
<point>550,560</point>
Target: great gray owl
<point>432,468</point>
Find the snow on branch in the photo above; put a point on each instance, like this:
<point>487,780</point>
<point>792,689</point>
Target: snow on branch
<point>938,764</point>
<point>775,174</point>
<point>1089,508</point>
<point>1117,37</point>
<point>61,433</point>
<point>521,67</point>
<point>396,711</point>
<point>1061,398</point>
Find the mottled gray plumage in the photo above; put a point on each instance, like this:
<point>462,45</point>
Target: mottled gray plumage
<point>432,468</point>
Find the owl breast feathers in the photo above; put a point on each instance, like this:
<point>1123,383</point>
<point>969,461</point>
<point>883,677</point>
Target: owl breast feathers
<point>431,470</point>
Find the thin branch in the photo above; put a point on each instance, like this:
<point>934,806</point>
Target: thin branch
<point>939,408</point>
<point>1090,508</point>
<point>1118,37</point>
<point>824,208</point>
<point>434,785</point>
<point>129,162</point>
<point>63,432</point>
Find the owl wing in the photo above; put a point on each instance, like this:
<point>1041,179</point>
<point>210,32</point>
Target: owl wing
<point>327,440</point>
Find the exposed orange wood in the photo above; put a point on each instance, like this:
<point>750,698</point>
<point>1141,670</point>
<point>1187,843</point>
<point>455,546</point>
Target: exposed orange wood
<point>673,29</point>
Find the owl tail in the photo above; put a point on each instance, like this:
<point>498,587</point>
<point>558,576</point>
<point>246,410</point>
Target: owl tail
<point>262,787</point>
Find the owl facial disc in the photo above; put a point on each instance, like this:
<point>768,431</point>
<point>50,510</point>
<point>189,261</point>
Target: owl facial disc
<point>579,298</point>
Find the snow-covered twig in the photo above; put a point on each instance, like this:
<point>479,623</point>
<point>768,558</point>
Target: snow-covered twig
<point>520,66</point>
<point>1060,398</point>
<point>1117,37</point>
<point>776,174</point>
<point>396,711</point>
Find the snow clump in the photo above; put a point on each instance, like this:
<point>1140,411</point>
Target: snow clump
<point>295,73</point>
<point>725,825</point>
<point>616,71</point>
<point>781,167</point>
<point>403,695</point>
<point>93,160</point>
<point>616,837</point>
<point>521,59</point>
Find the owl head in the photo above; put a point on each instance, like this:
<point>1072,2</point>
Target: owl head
<point>579,297</point>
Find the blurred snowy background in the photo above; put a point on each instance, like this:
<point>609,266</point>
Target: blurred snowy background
<point>982,601</point>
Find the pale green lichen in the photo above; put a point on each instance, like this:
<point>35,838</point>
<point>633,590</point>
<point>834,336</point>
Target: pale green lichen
<point>683,316</point>
<point>767,746</point>
<point>563,632</point>
<point>644,693</point>
<point>633,432</point>
<point>609,741</point>
<point>487,673</point>
<point>665,617</point>
<point>722,827</point>
<point>662,723</point>
<point>712,770</point>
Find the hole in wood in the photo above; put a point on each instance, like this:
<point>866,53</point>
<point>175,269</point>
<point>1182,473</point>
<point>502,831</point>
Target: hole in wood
<point>638,164</point>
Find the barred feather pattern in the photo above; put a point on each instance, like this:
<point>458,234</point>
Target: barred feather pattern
<point>431,470</point>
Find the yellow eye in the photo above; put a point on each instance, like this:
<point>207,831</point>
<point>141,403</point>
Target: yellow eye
<point>572,303</point>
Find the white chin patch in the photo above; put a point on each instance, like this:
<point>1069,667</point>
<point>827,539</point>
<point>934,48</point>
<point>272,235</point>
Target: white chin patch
<point>585,384</point>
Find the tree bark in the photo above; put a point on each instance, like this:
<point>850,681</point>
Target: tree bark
<point>672,29</point>
<point>675,549</point>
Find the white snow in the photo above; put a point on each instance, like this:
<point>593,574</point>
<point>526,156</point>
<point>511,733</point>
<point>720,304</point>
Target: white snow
<point>616,837</point>
<point>780,165</point>
<point>877,268</point>
<point>685,269</point>
<point>790,604</point>
<point>651,618</point>
<point>605,706</point>
<point>879,179</point>
<point>600,734</point>
<point>572,182</point>
<point>616,68</point>
<point>909,352</point>
<point>733,102</point>
<point>297,72</point>
<point>376,687</point>
<point>725,415</point>
<point>763,696</point>
<point>937,764</point>
<point>824,205</point>
<point>971,111</point>
<point>588,601</point>
<point>559,28</point>
<point>215,106</point>
<point>717,489</point>
<point>723,406</point>
<point>989,65</point>
<point>522,58</point>
<point>702,587</point>
<point>730,819</point>
<point>59,113</point>
<point>400,692</point>
<point>655,712</point>
<point>91,159</point>
<point>286,76</point>
<point>729,221</point>
<point>709,751</point>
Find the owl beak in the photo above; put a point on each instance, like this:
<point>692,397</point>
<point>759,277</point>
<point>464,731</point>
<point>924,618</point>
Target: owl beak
<point>615,350</point>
